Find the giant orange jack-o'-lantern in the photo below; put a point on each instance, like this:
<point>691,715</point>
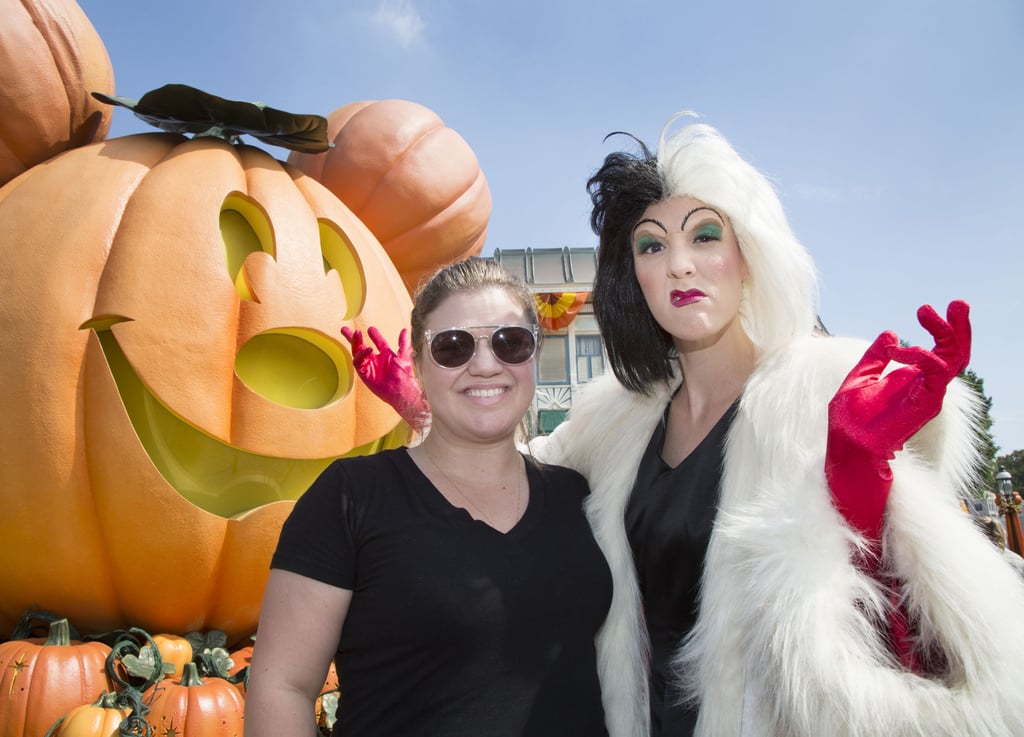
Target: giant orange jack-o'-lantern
<point>50,59</point>
<point>415,182</point>
<point>173,375</point>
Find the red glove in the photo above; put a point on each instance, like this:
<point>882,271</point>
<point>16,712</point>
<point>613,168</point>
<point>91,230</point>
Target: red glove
<point>872,416</point>
<point>389,375</point>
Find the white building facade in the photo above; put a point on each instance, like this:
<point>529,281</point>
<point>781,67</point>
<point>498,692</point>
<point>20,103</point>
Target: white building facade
<point>572,352</point>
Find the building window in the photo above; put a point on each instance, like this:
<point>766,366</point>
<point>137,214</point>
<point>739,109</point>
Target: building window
<point>553,364</point>
<point>585,321</point>
<point>589,358</point>
<point>549,419</point>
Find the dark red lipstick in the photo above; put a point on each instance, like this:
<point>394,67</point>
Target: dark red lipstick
<point>682,298</point>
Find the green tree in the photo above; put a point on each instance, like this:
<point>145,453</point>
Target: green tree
<point>987,444</point>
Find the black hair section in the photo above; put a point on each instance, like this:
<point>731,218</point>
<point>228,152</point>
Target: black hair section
<point>639,349</point>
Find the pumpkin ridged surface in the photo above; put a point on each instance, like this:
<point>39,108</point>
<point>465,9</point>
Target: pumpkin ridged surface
<point>118,247</point>
<point>415,182</point>
<point>51,58</point>
<point>40,682</point>
<point>190,706</point>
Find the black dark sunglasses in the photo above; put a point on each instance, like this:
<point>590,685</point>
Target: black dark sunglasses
<point>455,347</point>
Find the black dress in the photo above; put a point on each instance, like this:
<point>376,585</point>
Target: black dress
<point>668,521</point>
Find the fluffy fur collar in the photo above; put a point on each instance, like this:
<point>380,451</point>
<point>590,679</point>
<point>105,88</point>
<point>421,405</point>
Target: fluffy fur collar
<point>785,645</point>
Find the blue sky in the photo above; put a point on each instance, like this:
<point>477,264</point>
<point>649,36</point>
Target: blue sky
<point>891,128</point>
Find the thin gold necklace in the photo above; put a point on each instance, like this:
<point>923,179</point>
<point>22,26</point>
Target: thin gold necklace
<point>478,510</point>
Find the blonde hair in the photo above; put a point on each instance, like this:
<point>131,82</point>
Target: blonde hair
<point>469,275</point>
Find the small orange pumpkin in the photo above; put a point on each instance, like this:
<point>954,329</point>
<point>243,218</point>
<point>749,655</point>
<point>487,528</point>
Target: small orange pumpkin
<point>43,679</point>
<point>174,649</point>
<point>51,58</point>
<point>415,183</point>
<point>101,718</point>
<point>191,707</point>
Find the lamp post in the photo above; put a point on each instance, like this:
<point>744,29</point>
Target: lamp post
<point>1009,506</point>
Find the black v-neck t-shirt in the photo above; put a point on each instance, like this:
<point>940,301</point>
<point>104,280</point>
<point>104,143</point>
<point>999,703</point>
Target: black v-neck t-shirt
<point>668,522</point>
<point>455,629</point>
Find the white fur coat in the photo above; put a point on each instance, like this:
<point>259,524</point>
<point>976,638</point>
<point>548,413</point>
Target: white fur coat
<point>785,644</point>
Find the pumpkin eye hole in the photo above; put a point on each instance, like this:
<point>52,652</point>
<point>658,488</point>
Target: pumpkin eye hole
<point>295,367</point>
<point>340,256</point>
<point>244,229</point>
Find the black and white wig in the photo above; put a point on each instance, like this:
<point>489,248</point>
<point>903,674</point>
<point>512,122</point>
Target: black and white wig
<point>780,297</point>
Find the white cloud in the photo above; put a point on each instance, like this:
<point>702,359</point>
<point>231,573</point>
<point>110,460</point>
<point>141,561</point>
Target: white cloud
<point>401,19</point>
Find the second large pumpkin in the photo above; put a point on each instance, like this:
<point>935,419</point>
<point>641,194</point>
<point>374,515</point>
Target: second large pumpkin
<point>415,182</point>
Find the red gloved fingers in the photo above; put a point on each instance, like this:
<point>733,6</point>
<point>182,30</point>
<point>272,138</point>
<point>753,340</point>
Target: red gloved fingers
<point>388,375</point>
<point>404,353</point>
<point>871,364</point>
<point>361,353</point>
<point>404,347</point>
<point>929,372</point>
<point>952,335</point>
<point>881,412</point>
<point>378,340</point>
<point>959,316</point>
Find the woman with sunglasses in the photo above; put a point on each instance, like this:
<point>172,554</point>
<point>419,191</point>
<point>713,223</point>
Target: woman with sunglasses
<point>778,507</point>
<point>456,583</point>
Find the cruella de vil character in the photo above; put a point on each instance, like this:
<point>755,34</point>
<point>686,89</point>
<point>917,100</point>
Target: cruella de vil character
<point>779,507</point>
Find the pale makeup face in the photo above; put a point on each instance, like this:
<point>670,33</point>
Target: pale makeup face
<point>690,270</point>
<point>485,399</point>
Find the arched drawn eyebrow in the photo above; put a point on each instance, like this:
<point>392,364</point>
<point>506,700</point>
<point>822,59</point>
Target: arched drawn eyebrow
<point>650,220</point>
<point>682,225</point>
<point>697,209</point>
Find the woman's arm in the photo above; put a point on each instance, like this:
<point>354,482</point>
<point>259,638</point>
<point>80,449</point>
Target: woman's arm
<point>300,625</point>
<point>871,417</point>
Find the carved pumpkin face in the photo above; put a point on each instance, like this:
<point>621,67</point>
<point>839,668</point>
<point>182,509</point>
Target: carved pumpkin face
<point>175,375</point>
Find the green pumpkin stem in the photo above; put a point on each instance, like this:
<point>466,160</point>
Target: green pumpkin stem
<point>190,676</point>
<point>60,633</point>
<point>108,700</point>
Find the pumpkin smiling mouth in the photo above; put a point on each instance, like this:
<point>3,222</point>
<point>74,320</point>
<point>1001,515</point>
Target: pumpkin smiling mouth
<point>213,475</point>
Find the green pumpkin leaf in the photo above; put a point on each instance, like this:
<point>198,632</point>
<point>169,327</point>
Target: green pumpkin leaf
<point>215,661</point>
<point>202,640</point>
<point>179,108</point>
<point>143,665</point>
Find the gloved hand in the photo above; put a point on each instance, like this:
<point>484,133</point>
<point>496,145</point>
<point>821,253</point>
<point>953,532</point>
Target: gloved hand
<point>872,416</point>
<point>389,375</point>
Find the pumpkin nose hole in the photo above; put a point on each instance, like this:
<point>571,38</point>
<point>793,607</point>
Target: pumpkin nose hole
<point>296,368</point>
